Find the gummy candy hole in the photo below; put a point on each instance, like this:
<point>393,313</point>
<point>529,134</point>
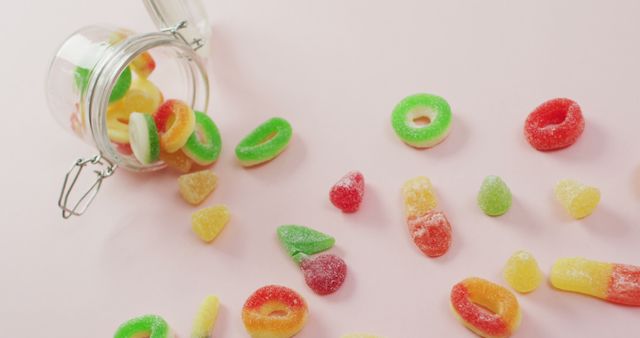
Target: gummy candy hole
<point>200,135</point>
<point>488,305</point>
<point>554,118</point>
<point>269,137</point>
<point>278,313</point>
<point>421,120</point>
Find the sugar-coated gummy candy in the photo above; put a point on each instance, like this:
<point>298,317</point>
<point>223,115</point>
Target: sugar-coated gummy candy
<point>487,309</point>
<point>143,64</point>
<point>118,124</point>
<point>522,272</point>
<point>324,274</point>
<point>433,110</point>
<point>494,197</point>
<point>148,326</point>
<point>206,318</point>
<point>207,223</point>
<point>360,335</point>
<point>556,124</point>
<point>615,283</point>
<point>347,193</point>
<point>142,97</point>
<point>196,187</point>
<point>431,233</point>
<point>419,197</point>
<point>176,122</point>
<point>265,142</point>
<point>177,161</point>
<point>144,138</point>
<point>123,148</point>
<point>120,88</point>
<point>204,144</point>
<point>274,311</point>
<point>578,199</point>
<point>298,239</point>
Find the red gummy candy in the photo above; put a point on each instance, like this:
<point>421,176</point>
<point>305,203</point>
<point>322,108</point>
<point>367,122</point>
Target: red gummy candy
<point>431,233</point>
<point>347,194</point>
<point>555,124</point>
<point>324,274</point>
<point>124,148</point>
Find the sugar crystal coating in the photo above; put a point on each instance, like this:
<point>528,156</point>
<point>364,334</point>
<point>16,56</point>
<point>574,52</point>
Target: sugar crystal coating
<point>206,318</point>
<point>274,311</point>
<point>297,239</point>
<point>207,223</point>
<point>324,274</point>
<point>196,187</point>
<point>494,197</point>
<point>616,283</point>
<point>434,110</point>
<point>347,193</point>
<point>418,196</point>
<point>578,199</point>
<point>142,97</point>
<point>265,142</point>
<point>144,139</point>
<point>487,309</point>
<point>555,124</point>
<point>522,272</point>
<point>175,121</point>
<point>431,233</point>
<point>150,326</point>
<point>204,144</point>
<point>177,161</point>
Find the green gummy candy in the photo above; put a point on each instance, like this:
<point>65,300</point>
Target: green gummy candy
<point>81,77</point>
<point>265,142</point>
<point>151,326</point>
<point>494,197</point>
<point>300,241</point>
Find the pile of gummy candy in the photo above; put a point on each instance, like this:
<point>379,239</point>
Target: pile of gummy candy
<point>142,123</point>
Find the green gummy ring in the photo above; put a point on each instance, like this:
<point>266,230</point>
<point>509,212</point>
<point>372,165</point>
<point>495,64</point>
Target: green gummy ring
<point>433,107</point>
<point>121,87</point>
<point>151,326</point>
<point>204,145</point>
<point>144,138</point>
<point>264,143</point>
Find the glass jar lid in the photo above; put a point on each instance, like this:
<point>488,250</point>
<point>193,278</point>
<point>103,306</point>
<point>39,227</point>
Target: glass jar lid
<point>187,19</point>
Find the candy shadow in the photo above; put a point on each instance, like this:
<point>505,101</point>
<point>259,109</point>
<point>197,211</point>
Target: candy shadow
<point>315,327</point>
<point>519,217</point>
<point>458,137</point>
<point>222,322</point>
<point>606,222</point>
<point>372,210</point>
<point>589,147</point>
<point>286,162</point>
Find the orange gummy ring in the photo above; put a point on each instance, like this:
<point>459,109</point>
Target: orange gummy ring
<point>175,121</point>
<point>274,312</point>
<point>485,308</point>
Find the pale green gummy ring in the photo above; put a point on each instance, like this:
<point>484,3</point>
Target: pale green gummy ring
<point>264,143</point>
<point>151,326</point>
<point>430,108</point>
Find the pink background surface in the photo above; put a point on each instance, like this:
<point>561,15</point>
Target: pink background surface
<point>334,69</point>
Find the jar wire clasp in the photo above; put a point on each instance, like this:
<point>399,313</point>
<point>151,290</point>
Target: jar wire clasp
<point>196,44</point>
<point>106,169</point>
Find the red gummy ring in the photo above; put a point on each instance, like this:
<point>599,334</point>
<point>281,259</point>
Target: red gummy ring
<point>555,124</point>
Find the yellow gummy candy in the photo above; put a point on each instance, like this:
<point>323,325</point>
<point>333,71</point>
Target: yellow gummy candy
<point>419,197</point>
<point>582,276</point>
<point>118,124</point>
<point>206,318</point>
<point>522,272</point>
<point>578,199</point>
<point>207,223</point>
<point>143,97</point>
<point>196,187</point>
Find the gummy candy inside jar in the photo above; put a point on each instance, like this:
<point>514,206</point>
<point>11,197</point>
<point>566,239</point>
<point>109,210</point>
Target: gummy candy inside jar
<point>106,85</point>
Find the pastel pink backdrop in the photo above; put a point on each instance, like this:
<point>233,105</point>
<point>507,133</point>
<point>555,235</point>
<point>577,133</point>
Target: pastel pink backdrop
<point>334,69</point>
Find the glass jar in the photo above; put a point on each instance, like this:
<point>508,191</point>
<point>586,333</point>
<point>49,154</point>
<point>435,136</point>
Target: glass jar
<point>96,66</point>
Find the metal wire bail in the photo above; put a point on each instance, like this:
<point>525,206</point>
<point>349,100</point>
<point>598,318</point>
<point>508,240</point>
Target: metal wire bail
<point>106,170</point>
